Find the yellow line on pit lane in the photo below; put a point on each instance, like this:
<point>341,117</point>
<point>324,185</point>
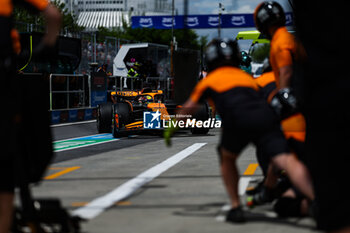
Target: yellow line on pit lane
<point>65,170</point>
<point>251,169</point>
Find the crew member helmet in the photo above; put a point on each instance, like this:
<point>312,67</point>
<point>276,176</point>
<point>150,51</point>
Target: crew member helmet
<point>222,52</point>
<point>268,14</point>
<point>246,59</point>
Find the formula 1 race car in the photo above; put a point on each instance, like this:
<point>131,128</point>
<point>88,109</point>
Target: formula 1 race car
<point>126,113</point>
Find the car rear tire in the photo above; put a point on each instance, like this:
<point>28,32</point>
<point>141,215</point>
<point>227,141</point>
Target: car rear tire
<point>123,111</point>
<point>104,117</point>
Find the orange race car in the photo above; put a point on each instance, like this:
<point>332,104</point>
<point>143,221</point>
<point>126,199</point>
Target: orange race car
<point>146,111</point>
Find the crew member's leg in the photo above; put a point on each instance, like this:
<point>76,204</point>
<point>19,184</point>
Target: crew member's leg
<point>6,195</point>
<point>274,145</point>
<point>230,175</point>
<point>6,211</point>
<point>232,142</point>
<point>297,173</point>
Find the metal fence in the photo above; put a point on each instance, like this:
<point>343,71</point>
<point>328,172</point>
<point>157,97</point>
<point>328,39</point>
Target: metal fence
<point>103,50</point>
<point>69,91</point>
<point>72,91</point>
<point>94,49</point>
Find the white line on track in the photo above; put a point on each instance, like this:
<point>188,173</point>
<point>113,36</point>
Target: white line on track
<point>243,184</point>
<point>72,123</point>
<point>98,205</point>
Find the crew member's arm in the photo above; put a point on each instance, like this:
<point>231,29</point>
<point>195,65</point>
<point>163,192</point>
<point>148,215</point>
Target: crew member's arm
<point>285,74</point>
<point>189,107</point>
<point>53,20</point>
<point>284,61</point>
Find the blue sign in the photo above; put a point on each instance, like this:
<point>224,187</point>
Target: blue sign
<point>88,114</point>
<point>151,120</point>
<point>198,21</point>
<point>55,117</point>
<point>72,115</point>
<point>98,97</point>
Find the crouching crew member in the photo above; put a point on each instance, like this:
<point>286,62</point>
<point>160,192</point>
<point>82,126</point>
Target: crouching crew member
<point>246,117</point>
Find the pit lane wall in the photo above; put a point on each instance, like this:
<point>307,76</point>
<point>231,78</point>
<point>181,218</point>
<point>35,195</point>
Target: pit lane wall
<point>75,97</point>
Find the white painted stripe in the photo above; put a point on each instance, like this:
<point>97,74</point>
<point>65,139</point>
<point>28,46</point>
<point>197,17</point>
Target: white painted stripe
<point>97,206</point>
<point>243,184</point>
<point>72,123</point>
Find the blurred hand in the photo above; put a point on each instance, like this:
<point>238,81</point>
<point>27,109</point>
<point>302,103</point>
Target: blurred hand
<point>168,133</point>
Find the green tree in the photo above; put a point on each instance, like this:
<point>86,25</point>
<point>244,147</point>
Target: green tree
<point>184,38</point>
<point>69,22</point>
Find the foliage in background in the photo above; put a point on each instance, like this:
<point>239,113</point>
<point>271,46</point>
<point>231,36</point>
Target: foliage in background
<point>185,38</point>
<point>69,21</point>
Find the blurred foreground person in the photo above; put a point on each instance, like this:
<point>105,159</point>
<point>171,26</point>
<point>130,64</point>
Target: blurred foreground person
<point>270,20</point>
<point>290,202</point>
<point>246,118</point>
<point>8,47</point>
<point>325,88</point>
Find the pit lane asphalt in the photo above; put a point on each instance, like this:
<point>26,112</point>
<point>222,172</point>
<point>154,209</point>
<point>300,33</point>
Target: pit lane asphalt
<point>188,197</point>
<point>87,129</point>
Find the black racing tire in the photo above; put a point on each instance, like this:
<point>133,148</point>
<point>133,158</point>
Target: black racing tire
<point>104,117</point>
<point>124,113</point>
<point>200,131</point>
<point>202,114</point>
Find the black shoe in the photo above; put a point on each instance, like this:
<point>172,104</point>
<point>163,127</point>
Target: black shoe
<point>256,189</point>
<point>235,215</point>
<point>283,184</point>
<point>265,195</point>
<point>314,210</point>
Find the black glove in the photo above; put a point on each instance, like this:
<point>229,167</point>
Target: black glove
<point>284,103</point>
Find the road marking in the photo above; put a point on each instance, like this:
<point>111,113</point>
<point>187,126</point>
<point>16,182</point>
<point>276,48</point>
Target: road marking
<point>98,205</point>
<point>60,173</point>
<point>119,203</point>
<point>251,169</point>
<point>75,143</point>
<point>72,123</point>
<point>78,137</point>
